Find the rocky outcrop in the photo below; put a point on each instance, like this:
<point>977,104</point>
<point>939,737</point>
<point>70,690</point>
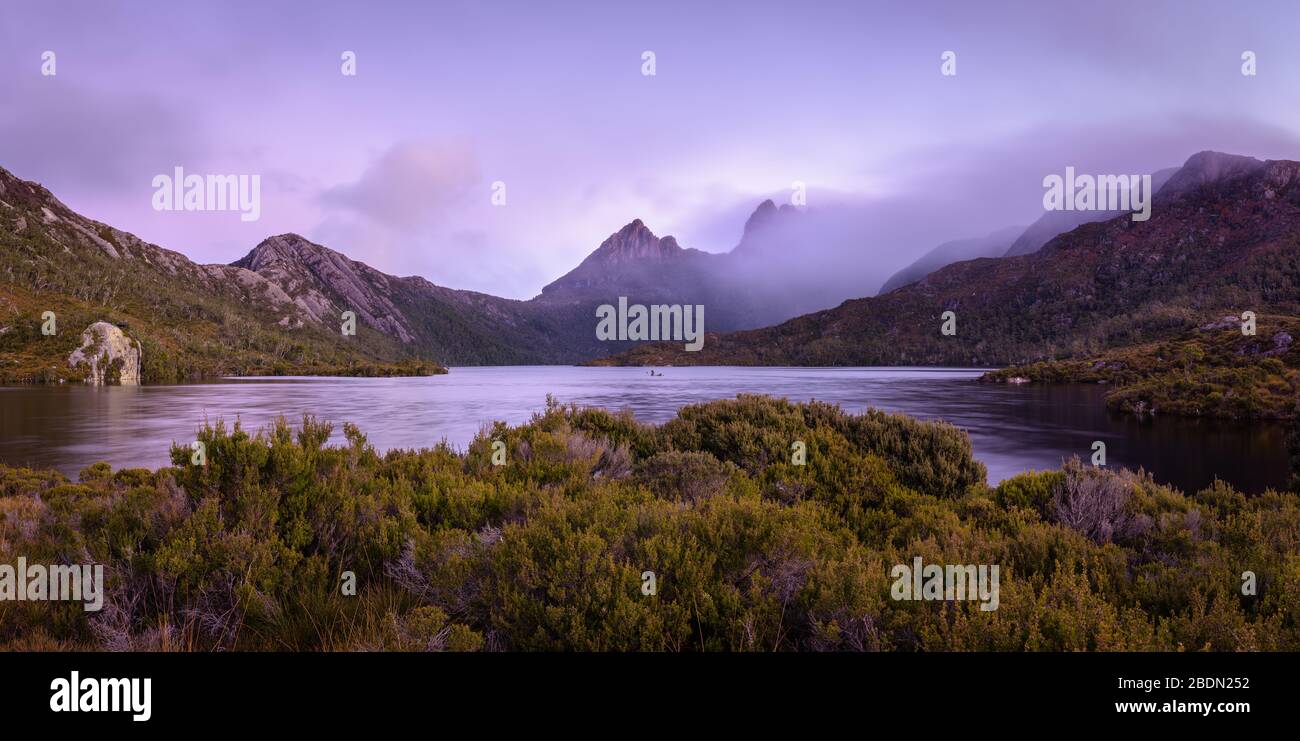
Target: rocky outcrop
<point>112,356</point>
<point>323,284</point>
<point>631,257</point>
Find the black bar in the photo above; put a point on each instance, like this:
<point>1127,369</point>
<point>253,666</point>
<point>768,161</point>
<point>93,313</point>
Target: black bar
<point>934,691</point>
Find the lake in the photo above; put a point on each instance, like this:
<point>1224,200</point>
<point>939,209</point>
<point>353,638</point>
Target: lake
<point>1013,428</point>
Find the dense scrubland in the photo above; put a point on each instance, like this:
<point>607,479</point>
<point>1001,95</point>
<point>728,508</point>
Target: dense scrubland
<point>1213,371</point>
<point>548,551</point>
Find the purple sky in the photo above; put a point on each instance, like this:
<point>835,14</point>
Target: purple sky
<point>394,166</point>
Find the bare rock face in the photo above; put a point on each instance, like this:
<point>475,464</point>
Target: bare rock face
<point>112,356</point>
<point>323,283</point>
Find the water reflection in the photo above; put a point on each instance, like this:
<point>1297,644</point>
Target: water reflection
<point>1013,428</point>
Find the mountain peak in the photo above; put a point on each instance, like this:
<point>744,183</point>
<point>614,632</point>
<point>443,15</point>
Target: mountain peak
<point>761,224</point>
<point>765,215</point>
<point>324,282</point>
<point>634,241</point>
<point>765,212</point>
<point>1221,244</point>
<point>1208,167</point>
<point>630,250</point>
<point>280,247</point>
<point>289,240</point>
<point>287,237</point>
<point>1211,161</point>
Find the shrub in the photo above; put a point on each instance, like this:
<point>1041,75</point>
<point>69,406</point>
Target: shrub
<point>1094,502</point>
<point>559,549</point>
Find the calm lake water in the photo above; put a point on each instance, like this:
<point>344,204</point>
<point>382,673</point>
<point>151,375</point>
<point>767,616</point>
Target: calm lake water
<point>1013,428</point>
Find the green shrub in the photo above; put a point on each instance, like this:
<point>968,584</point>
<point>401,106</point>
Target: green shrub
<point>600,533</point>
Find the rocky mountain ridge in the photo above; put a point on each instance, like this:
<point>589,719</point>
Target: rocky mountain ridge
<point>1223,239</point>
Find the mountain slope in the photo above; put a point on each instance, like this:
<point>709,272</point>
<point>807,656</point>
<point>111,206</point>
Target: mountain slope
<point>992,245</point>
<point>648,269</point>
<point>467,328</point>
<point>190,320</point>
<point>1053,223</point>
<point>631,258</point>
<point>279,309</point>
<point>455,327</point>
<point>787,262</point>
<point>1223,242</point>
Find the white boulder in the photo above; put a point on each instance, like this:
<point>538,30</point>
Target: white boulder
<point>102,344</point>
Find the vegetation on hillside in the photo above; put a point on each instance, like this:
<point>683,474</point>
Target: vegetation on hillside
<point>1215,245</point>
<point>550,550</point>
<point>1293,448</point>
<point>187,330</point>
<point>281,304</point>
<point>1215,371</point>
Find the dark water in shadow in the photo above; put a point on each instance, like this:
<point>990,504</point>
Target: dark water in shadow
<point>1013,428</point>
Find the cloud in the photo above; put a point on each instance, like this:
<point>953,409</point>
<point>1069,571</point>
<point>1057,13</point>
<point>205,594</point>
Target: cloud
<point>77,140</point>
<point>411,186</point>
<point>424,208</point>
<point>966,189</point>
